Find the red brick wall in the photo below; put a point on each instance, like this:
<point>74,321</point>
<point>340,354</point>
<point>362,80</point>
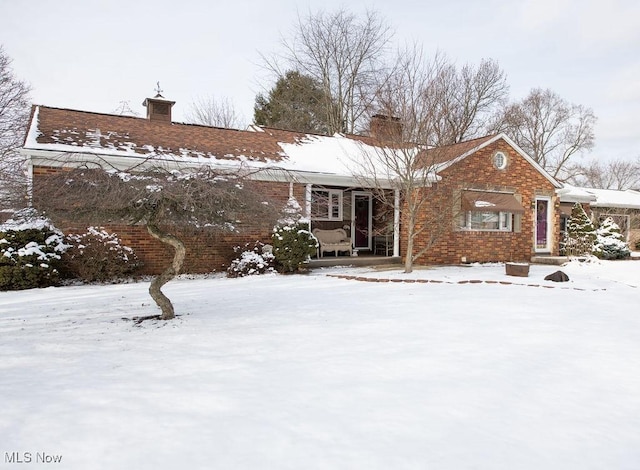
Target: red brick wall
<point>206,252</point>
<point>478,172</point>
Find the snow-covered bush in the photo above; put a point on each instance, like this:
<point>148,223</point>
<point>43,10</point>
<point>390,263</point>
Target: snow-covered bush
<point>252,261</point>
<point>293,246</point>
<point>30,252</point>
<point>610,242</point>
<point>293,243</point>
<point>580,236</point>
<point>98,255</point>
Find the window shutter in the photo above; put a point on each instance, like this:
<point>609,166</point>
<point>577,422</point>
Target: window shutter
<point>517,218</point>
<point>458,213</point>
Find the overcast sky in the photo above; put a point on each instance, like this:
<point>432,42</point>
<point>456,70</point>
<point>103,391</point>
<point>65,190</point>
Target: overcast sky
<point>92,55</point>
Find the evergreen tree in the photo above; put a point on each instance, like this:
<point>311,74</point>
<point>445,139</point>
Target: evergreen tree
<point>295,103</point>
<point>581,234</point>
<point>610,242</point>
<point>293,243</point>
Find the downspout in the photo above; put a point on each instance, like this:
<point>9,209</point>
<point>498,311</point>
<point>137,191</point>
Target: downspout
<point>29,175</point>
<point>396,222</point>
<point>307,203</point>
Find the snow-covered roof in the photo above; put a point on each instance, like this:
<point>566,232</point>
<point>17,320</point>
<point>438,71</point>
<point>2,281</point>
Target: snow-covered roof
<point>628,199</point>
<point>570,193</point>
<point>81,136</point>
<point>622,199</point>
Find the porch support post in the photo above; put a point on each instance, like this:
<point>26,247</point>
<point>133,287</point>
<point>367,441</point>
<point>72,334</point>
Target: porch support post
<point>396,222</point>
<point>307,203</point>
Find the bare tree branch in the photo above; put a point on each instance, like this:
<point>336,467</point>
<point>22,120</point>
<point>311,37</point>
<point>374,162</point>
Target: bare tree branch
<point>214,112</point>
<point>344,54</point>
<point>14,114</point>
<point>169,203</point>
<point>616,174</point>
<point>464,100</point>
<point>551,130</point>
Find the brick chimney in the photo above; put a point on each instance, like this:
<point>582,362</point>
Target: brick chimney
<point>158,108</point>
<point>385,127</point>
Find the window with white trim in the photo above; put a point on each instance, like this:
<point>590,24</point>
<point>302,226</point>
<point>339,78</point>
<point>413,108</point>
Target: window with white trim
<point>326,204</point>
<point>489,221</point>
<point>500,160</point>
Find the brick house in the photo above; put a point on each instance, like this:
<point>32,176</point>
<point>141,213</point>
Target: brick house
<point>504,206</point>
<point>623,206</point>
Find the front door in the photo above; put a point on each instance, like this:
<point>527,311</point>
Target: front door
<point>542,225</point>
<point>362,208</point>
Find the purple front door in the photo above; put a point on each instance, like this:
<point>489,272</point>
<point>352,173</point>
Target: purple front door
<point>542,222</point>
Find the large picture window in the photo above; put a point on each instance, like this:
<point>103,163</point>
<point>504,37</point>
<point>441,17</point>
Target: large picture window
<point>490,211</point>
<point>326,204</point>
<point>489,221</point>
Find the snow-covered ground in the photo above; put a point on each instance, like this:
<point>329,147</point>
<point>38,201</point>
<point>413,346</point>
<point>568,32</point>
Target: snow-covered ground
<point>320,372</point>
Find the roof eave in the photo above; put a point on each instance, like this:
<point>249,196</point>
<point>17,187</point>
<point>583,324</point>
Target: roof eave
<point>55,158</point>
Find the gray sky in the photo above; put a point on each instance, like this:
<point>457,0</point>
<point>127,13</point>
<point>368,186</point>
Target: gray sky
<point>91,54</point>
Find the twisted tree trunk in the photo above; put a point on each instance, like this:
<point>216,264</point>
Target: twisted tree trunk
<point>172,271</point>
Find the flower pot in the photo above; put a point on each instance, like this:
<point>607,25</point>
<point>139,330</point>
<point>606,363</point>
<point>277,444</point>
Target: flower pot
<point>517,269</point>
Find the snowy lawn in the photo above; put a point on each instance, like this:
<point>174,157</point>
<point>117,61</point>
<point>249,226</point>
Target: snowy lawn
<point>318,372</point>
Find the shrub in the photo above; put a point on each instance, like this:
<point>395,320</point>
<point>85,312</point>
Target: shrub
<point>30,252</point>
<point>610,242</point>
<point>98,255</point>
<point>252,261</point>
<point>580,235</point>
<point>293,246</point>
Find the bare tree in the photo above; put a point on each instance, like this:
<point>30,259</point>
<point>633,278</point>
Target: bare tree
<point>401,164</point>
<point>550,129</point>
<point>214,112</point>
<point>615,174</point>
<point>463,100</point>
<point>170,204</point>
<point>14,115</point>
<point>344,54</point>
<point>448,104</point>
<point>124,109</point>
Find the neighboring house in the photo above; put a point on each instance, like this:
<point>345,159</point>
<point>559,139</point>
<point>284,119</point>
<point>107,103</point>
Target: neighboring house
<point>621,205</point>
<point>503,205</point>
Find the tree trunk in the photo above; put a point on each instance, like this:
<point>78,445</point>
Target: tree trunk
<point>408,260</point>
<point>172,271</point>
<point>411,228</point>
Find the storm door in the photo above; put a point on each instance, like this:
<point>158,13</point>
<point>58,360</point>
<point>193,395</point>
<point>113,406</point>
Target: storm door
<point>362,218</point>
<point>542,225</point>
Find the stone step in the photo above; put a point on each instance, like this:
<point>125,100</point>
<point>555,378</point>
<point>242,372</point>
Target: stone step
<point>553,260</point>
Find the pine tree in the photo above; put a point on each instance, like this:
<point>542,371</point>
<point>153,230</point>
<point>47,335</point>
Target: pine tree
<point>610,242</point>
<point>581,234</point>
<point>293,243</point>
<point>295,103</point>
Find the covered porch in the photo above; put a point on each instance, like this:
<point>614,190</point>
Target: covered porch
<point>368,219</point>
